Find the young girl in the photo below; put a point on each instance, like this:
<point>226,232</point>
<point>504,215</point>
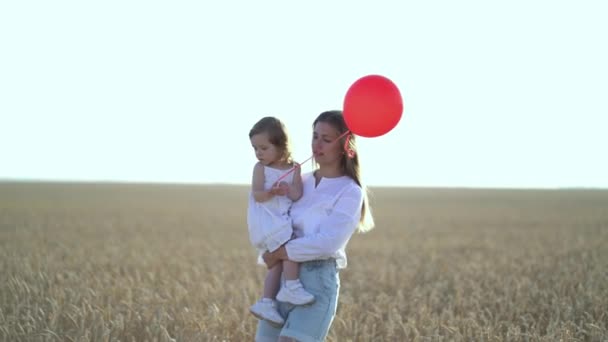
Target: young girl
<point>268,218</point>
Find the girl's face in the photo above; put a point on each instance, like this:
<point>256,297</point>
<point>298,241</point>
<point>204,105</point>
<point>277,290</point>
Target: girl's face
<point>325,148</point>
<point>267,153</point>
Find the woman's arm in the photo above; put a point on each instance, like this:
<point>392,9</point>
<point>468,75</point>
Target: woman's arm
<point>334,232</point>
<point>272,258</point>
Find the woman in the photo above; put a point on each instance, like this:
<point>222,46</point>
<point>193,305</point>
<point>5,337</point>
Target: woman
<point>333,206</point>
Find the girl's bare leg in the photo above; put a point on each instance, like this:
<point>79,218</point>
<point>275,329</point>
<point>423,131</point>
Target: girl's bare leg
<point>291,270</point>
<point>272,283</point>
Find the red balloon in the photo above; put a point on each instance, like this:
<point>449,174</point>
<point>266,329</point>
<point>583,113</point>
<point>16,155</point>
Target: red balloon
<point>372,106</point>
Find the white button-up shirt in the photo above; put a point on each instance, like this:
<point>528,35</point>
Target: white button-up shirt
<point>324,219</point>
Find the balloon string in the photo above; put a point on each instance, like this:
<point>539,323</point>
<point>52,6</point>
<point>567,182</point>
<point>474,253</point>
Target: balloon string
<point>349,152</point>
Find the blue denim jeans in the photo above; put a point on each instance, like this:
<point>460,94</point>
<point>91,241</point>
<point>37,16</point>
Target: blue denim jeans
<point>308,322</point>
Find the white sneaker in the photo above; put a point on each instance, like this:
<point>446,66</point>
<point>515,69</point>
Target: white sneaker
<point>268,312</point>
<point>295,295</point>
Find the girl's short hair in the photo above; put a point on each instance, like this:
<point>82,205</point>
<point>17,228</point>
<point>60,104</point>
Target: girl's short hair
<point>277,135</point>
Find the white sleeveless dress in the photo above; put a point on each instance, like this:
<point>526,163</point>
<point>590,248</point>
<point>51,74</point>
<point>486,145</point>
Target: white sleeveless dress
<point>269,222</point>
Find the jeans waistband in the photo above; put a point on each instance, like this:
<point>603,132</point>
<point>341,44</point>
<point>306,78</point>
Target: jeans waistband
<point>323,262</point>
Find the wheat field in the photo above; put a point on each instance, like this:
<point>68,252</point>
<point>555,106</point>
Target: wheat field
<point>143,262</point>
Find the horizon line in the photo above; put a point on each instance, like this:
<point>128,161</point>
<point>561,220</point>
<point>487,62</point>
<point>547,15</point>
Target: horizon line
<point>240,184</point>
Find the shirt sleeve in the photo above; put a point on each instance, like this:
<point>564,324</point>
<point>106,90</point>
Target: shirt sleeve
<point>334,231</point>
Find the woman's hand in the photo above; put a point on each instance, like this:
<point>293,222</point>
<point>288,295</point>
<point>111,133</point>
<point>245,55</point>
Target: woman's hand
<point>272,258</point>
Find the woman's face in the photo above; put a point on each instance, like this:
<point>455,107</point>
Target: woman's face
<point>325,148</point>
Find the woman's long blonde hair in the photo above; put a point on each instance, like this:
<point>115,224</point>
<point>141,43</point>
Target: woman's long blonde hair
<point>350,165</point>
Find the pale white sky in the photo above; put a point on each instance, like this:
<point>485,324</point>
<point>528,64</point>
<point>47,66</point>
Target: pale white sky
<point>497,94</point>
